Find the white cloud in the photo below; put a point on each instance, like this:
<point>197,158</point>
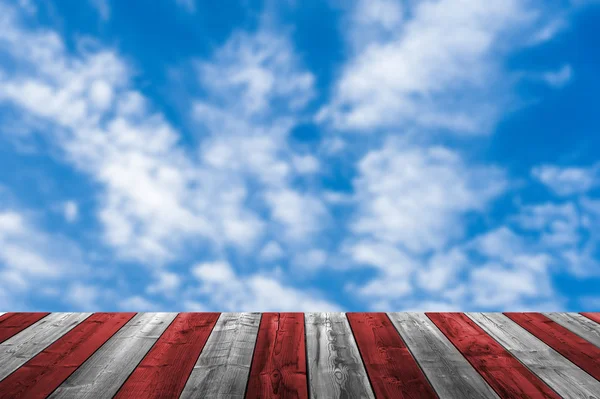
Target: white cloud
<point>272,251</point>
<point>257,74</point>
<point>305,164</point>
<point>31,258</point>
<point>499,287</point>
<point>83,296</point>
<point>300,215</point>
<point>311,260</point>
<point>227,290</point>
<point>71,211</point>
<point>565,181</point>
<point>165,283</point>
<point>137,304</point>
<point>439,69</point>
<point>156,196</point>
<point>417,197</point>
<point>558,224</point>
<point>559,78</point>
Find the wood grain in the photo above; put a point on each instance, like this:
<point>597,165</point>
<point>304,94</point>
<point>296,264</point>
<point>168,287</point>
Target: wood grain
<point>13,323</point>
<point>503,372</point>
<point>279,363</point>
<point>580,325</point>
<point>335,368</point>
<point>106,370</point>
<point>592,316</point>
<point>391,368</point>
<point>564,377</point>
<point>449,372</point>
<point>224,364</point>
<point>579,351</point>
<point>19,349</point>
<point>165,369</point>
<point>45,372</point>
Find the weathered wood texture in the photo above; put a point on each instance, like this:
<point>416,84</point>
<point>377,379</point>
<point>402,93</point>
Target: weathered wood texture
<point>13,323</point>
<point>106,370</point>
<point>580,325</point>
<point>224,364</point>
<point>392,370</point>
<point>17,350</point>
<point>295,355</point>
<point>564,377</point>
<point>45,372</point>
<point>165,369</point>
<point>592,316</point>
<point>335,368</point>
<point>579,351</point>
<point>279,364</point>
<point>449,372</point>
<point>505,374</point>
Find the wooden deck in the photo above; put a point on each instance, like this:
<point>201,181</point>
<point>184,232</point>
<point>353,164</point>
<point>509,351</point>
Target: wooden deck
<point>298,355</point>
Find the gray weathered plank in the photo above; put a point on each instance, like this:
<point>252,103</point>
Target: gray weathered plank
<point>224,363</point>
<point>560,374</point>
<point>17,350</point>
<point>335,368</point>
<point>450,374</point>
<point>106,370</point>
<point>580,325</point>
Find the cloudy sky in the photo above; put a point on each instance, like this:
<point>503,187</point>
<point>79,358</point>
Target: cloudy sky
<point>351,155</point>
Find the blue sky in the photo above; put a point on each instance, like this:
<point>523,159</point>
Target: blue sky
<point>286,155</point>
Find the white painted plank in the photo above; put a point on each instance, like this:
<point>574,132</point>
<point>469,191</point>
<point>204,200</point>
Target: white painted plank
<point>560,374</point>
<point>450,374</point>
<point>1,313</point>
<point>580,325</point>
<point>106,370</point>
<point>224,364</point>
<point>20,348</point>
<point>335,368</point>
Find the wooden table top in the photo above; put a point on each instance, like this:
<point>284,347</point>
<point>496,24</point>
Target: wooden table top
<point>299,355</point>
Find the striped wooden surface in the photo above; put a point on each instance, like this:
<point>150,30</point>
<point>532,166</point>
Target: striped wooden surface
<point>296,355</point>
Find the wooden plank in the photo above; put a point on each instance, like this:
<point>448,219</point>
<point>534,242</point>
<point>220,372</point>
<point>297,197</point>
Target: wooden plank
<point>335,368</point>
<point>223,366</point>
<point>449,372</point>
<point>45,372</point>
<point>165,369</point>
<point>13,323</point>
<point>104,372</point>
<point>585,355</point>
<point>504,373</point>
<point>592,316</point>
<point>580,325</point>
<point>279,363</point>
<point>391,368</point>
<point>564,377</point>
<point>19,349</point>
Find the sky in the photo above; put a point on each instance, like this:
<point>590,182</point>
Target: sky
<point>359,155</point>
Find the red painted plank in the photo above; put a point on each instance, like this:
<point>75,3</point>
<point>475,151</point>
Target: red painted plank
<point>391,368</point>
<point>504,373</point>
<point>570,345</point>
<point>13,323</point>
<point>592,316</point>
<point>45,372</point>
<point>279,364</point>
<point>165,369</point>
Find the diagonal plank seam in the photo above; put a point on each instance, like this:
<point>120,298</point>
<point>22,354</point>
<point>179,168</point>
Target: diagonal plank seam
<point>412,354</point>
